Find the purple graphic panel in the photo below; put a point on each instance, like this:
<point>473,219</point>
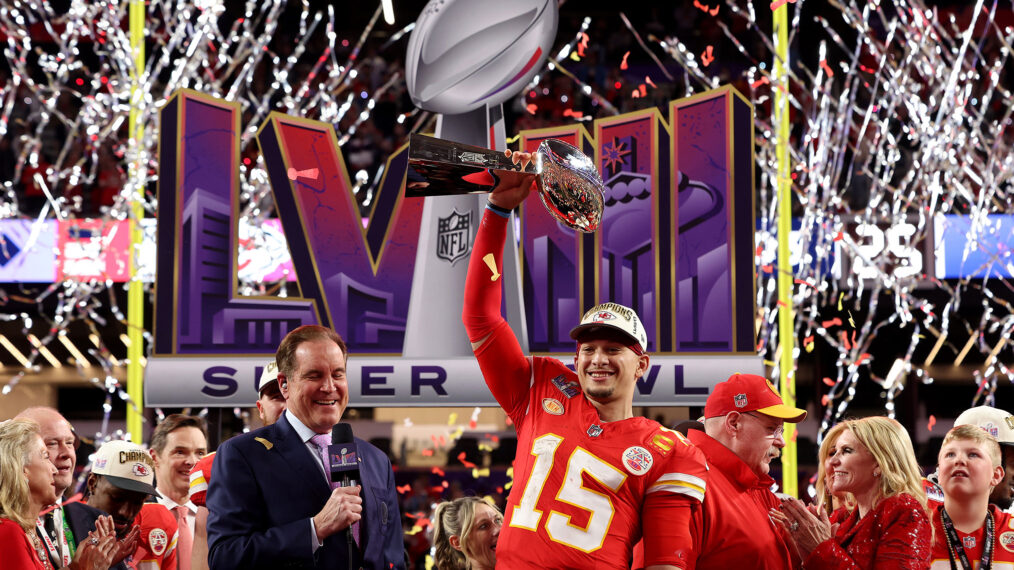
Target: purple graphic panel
<point>362,278</point>
<point>637,206</point>
<point>196,265</point>
<point>714,275</point>
<point>556,264</point>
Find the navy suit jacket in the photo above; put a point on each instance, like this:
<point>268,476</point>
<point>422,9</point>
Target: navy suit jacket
<point>264,489</point>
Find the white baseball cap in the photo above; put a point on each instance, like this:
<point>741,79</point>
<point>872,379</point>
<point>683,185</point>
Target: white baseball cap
<point>269,375</point>
<point>994,421</point>
<point>613,316</point>
<point>126,465</point>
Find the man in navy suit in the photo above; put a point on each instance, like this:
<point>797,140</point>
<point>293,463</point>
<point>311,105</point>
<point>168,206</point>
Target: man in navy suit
<point>270,501</point>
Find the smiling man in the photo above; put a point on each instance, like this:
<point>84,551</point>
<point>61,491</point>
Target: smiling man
<point>589,476</point>
<point>271,502</point>
<point>743,420</point>
<point>177,444</point>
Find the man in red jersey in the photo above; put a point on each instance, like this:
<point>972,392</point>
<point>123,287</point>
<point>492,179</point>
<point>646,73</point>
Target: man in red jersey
<point>122,479</point>
<point>589,477</point>
<point>742,433</point>
<point>969,532</point>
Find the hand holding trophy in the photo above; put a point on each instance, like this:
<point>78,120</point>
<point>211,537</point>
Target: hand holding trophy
<point>569,184</point>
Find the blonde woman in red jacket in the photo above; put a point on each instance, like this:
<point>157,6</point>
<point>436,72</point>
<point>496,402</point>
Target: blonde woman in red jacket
<point>874,462</point>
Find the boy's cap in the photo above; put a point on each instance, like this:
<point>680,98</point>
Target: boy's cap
<point>994,421</point>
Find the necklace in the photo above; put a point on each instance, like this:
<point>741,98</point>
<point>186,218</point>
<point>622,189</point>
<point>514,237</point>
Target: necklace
<point>40,551</point>
<point>957,551</point>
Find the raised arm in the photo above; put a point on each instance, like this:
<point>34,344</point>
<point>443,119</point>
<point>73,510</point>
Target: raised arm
<point>501,360</point>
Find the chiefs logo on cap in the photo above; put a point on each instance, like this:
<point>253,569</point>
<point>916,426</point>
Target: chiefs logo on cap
<point>604,316</point>
<point>140,469</point>
<point>157,540</point>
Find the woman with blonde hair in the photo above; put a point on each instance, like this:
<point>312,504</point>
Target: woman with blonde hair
<point>874,462</point>
<point>465,532</point>
<point>837,505</point>
<point>28,487</point>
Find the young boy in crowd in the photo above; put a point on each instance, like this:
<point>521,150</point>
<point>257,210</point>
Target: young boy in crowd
<point>969,532</point>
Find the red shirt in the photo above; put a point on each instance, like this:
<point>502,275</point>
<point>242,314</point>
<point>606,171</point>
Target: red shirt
<point>16,547</point>
<point>157,546</point>
<point>200,475</point>
<point>894,535</point>
<point>1003,545</point>
<point>581,486</point>
<point>734,530</point>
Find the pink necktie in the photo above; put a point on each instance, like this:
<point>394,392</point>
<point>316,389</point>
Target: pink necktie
<point>185,540</point>
<point>321,441</point>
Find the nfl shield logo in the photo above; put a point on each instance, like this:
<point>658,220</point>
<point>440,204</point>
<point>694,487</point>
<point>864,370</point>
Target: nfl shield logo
<point>740,400</point>
<point>453,233</point>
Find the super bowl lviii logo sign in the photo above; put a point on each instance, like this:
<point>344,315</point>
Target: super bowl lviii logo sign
<point>675,243</point>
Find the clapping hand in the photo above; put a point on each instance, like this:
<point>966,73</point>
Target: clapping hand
<point>807,525</point>
<point>95,552</point>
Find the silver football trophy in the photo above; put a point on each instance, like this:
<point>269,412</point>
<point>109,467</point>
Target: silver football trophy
<point>464,59</point>
<point>569,184</point>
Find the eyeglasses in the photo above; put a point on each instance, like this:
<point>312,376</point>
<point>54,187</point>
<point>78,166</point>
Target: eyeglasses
<point>773,432</point>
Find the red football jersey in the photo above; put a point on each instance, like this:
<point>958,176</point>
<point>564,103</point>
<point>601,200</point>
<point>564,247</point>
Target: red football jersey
<point>1003,546</point>
<point>199,477</point>
<point>157,547</point>
<point>581,486</point>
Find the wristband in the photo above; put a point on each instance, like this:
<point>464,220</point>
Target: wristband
<point>502,212</point>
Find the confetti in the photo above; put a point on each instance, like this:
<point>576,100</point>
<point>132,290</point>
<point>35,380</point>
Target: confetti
<point>708,56</point>
<point>932,422</point>
<point>467,464</point>
<point>762,81</point>
<point>826,68</point>
<point>623,64</point>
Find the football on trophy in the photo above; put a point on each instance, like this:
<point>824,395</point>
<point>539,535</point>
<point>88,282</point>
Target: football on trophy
<point>464,54</point>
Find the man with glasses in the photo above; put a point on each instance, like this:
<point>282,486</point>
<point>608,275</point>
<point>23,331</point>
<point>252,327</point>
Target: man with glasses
<point>742,433</point>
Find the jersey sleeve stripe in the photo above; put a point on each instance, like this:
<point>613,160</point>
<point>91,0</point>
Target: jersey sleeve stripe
<point>679,488</point>
<point>197,484</point>
<point>672,477</point>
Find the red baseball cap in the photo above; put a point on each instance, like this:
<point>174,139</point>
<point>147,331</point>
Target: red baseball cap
<point>750,393</point>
